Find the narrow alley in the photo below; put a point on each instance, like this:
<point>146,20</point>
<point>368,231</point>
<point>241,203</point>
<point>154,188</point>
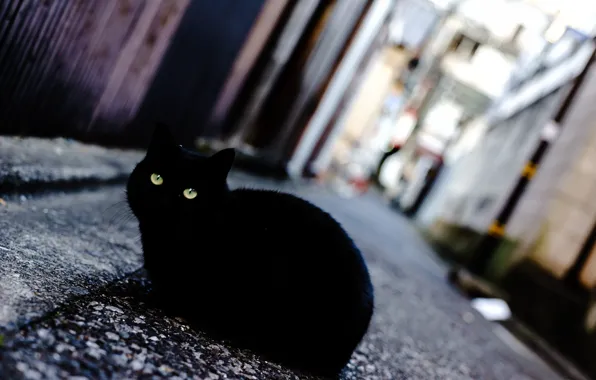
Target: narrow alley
<point>455,140</point>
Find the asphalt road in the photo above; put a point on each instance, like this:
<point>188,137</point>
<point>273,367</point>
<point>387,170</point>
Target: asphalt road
<point>59,318</point>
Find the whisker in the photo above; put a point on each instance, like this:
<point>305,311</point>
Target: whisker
<point>120,219</point>
<point>114,205</point>
<point>118,213</point>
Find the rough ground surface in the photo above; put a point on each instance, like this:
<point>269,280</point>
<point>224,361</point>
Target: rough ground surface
<point>56,247</point>
<point>30,163</point>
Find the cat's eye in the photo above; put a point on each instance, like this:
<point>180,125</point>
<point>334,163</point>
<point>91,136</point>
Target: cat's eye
<point>156,179</point>
<point>190,193</point>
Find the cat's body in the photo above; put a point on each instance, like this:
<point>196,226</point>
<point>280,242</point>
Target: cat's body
<point>267,270</point>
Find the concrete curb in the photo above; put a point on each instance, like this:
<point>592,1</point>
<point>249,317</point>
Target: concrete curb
<point>31,164</point>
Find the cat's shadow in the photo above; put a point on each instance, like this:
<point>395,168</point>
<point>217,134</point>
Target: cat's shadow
<point>136,289</point>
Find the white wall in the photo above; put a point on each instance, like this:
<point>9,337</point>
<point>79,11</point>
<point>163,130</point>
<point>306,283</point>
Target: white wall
<point>411,22</point>
<point>488,71</point>
<point>480,181</point>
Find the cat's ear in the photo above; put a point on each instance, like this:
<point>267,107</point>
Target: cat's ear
<point>222,161</point>
<point>162,140</point>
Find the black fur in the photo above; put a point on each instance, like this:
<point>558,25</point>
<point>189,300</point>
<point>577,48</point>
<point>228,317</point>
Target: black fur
<point>265,269</point>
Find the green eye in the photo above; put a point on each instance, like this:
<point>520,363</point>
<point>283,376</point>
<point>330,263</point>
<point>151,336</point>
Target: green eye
<point>190,193</point>
<point>156,179</point>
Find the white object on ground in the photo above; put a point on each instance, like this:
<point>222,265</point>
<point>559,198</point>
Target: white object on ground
<point>493,309</point>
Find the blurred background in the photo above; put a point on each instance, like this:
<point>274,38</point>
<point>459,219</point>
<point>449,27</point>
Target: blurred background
<point>474,119</point>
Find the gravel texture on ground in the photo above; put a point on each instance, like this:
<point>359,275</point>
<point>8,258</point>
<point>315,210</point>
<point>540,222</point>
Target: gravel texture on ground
<point>61,318</point>
<point>115,334</point>
<point>59,246</point>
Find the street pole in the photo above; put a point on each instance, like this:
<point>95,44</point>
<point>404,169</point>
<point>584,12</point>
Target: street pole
<point>492,238</point>
<point>572,277</point>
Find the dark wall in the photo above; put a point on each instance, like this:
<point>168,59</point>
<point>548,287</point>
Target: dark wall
<point>52,69</point>
<point>196,65</point>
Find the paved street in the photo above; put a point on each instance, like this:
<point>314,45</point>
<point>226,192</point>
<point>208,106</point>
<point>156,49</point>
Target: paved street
<point>60,318</point>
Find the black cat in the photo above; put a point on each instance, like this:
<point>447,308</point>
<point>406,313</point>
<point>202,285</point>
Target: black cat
<point>264,269</point>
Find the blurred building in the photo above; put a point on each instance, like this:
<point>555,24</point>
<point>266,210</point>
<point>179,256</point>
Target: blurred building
<point>274,78</point>
<point>546,262</point>
<point>290,91</point>
<point>80,69</point>
<point>357,119</point>
<point>247,72</point>
<point>485,160</point>
<point>106,71</point>
<point>479,60</point>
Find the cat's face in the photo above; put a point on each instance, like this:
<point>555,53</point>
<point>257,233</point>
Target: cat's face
<point>171,182</point>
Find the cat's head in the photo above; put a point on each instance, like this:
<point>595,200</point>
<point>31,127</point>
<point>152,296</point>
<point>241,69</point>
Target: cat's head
<point>174,182</point>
